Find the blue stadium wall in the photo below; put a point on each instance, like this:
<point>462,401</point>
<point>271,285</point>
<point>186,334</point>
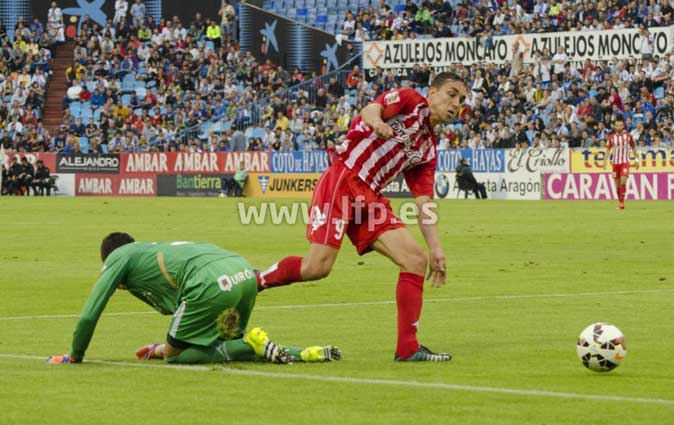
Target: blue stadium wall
<point>289,43</point>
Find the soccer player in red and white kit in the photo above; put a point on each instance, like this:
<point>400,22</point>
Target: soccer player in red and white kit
<point>392,135</point>
<point>621,143</point>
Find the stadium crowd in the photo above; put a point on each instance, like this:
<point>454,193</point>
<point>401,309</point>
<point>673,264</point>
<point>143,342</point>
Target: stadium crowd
<point>137,85</point>
<point>547,104</point>
<point>488,18</point>
<point>24,72</point>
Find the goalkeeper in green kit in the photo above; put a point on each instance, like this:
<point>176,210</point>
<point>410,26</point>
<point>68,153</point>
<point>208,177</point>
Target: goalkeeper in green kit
<point>209,291</point>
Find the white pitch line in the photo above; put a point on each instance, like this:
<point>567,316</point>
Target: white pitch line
<point>74,316</point>
<point>369,381</point>
<point>368,303</point>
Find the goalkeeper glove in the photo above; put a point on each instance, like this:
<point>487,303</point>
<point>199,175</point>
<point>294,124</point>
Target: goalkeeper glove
<point>64,359</point>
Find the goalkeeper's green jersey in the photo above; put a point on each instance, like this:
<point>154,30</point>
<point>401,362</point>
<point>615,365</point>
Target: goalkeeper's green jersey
<point>155,273</point>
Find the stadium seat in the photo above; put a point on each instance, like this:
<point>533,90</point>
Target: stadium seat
<point>104,148</point>
<point>84,144</point>
<point>659,92</point>
<point>75,107</point>
<point>126,99</point>
<point>258,132</point>
<point>128,86</point>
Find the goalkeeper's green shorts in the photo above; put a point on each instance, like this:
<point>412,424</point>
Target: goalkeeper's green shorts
<point>212,290</point>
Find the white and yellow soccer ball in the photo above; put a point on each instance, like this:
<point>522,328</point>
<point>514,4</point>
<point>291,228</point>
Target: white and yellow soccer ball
<point>601,347</point>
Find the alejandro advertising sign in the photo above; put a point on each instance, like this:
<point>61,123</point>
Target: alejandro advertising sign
<point>87,163</point>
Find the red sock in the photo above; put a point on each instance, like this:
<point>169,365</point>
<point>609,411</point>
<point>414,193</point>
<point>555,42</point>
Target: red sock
<point>409,297</point>
<point>623,190</point>
<point>282,273</point>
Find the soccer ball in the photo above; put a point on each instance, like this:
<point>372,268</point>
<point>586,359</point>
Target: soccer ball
<point>601,347</point>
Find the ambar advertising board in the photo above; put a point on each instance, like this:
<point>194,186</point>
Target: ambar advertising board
<point>115,185</point>
<point>194,162</point>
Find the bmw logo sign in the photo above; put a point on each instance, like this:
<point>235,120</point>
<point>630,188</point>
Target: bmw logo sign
<point>441,186</point>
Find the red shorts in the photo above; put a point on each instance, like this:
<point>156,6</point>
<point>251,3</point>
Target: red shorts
<point>343,204</point>
<point>621,170</point>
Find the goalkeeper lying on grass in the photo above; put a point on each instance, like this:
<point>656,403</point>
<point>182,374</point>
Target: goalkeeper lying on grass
<point>210,292</point>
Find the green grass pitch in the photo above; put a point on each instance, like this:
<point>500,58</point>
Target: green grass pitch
<point>524,278</point>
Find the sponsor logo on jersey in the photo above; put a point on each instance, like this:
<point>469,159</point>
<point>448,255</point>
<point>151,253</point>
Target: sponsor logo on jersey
<point>392,97</point>
<point>318,219</point>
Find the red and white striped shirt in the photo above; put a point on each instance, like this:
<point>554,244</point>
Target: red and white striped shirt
<point>411,151</point>
<point>621,146</point>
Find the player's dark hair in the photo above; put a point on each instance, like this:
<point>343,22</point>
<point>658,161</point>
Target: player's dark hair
<point>440,79</point>
<point>621,119</point>
<point>113,241</point>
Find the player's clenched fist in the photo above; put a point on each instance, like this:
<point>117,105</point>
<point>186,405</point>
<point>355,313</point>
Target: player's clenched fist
<point>383,130</point>
<point>64,359</point>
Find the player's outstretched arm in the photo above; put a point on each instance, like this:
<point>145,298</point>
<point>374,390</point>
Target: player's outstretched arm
<point>103,289</point>
<point>607,158</point>
<point>373,116</point>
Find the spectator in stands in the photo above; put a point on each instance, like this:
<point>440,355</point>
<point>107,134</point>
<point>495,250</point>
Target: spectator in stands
<point>354,78</point>
<point>227,15</point>
<point>55,26</point>
<point>138,13</point>
<point>121,9</point>
<point>214,34</point>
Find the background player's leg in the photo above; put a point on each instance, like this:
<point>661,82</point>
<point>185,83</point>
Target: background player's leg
<point>399,245</point>
<point>623,188</point>
<point>315,265</point>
